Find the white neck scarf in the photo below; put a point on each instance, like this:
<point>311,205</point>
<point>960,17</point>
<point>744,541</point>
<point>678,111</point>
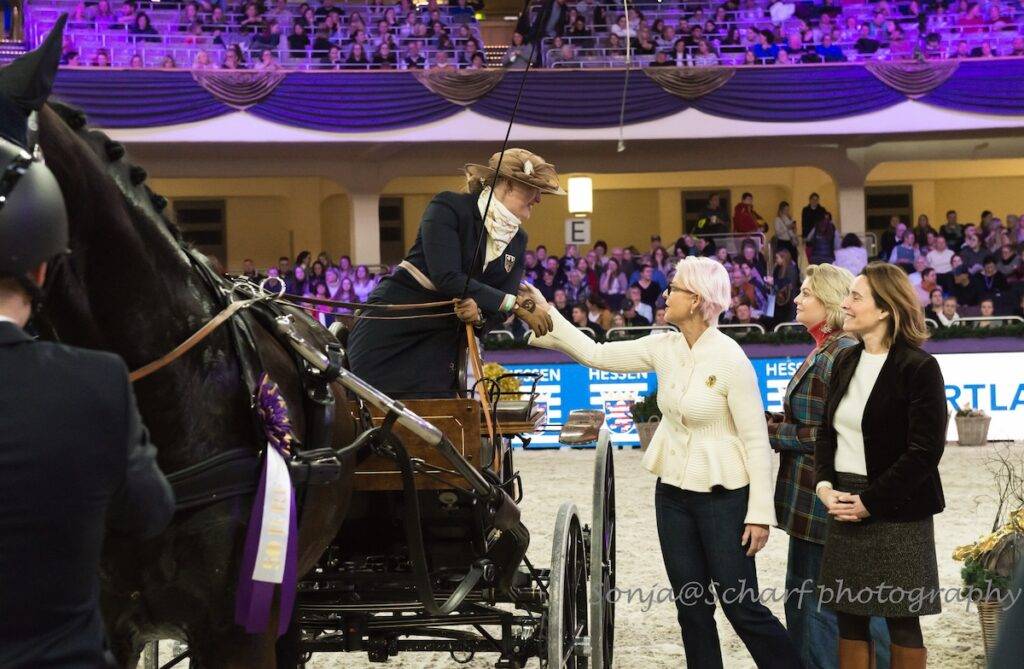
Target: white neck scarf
<point>501,224</point>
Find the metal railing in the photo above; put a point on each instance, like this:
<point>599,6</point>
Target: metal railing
<point>788,325</point>
<point>498,336</point>
<point>931,324</point>
<point>635,331</point>
<point>742,329</point>
<point>980,321</point>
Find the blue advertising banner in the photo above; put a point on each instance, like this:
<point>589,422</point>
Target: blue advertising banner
<point>993,382</point>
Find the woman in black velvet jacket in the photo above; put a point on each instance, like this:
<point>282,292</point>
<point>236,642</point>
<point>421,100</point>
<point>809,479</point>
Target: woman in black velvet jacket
<point>876,466</point>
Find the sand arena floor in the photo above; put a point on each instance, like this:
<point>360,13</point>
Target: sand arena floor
<point>649,639</point>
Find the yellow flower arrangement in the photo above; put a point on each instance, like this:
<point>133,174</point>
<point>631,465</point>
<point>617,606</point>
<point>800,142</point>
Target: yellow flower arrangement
<point>985,545</point>
<point>493,370</point>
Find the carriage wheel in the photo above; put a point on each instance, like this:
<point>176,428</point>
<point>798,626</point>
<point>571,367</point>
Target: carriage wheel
<point>602,556</point>
<point>567,642</point>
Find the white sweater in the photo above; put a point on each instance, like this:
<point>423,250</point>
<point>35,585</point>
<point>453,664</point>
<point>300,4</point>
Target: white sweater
<point>713,430</point>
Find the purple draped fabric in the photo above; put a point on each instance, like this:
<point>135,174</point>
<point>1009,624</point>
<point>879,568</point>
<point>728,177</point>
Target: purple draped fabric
<point>137,99</point>
<point>983,87</point>
<point>373,101</point>
<point>578,99</point>
<point>798,94</point>
<point>353,102</point>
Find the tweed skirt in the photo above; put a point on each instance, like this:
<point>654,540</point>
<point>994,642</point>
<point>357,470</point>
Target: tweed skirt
<point>878,567</point>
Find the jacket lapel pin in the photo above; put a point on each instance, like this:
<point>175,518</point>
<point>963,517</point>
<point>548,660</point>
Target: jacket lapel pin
<point>711,381</point>
<point>510,261</point>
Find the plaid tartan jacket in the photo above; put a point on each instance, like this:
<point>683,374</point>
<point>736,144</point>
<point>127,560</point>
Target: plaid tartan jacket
<point>800,513</point>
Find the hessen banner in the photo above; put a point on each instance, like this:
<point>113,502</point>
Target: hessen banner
<point>993,382</point>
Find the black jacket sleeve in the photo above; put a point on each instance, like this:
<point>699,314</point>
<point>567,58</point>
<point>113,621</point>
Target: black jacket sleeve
<point>926,440</point>
<point>143,503</point>
<point>442,254</point>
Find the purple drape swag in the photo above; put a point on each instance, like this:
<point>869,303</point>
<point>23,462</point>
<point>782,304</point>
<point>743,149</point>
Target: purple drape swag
<point>375,101</point>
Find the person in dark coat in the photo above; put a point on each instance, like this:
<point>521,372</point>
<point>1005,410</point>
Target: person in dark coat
<point>459,253</point>
<point>75,460</point>
<point>876,471</point>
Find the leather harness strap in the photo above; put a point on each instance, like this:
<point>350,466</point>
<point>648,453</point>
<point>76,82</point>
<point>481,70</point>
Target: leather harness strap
<point>190,343</point>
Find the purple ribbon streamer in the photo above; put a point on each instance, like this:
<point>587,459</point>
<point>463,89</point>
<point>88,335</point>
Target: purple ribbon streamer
<point>254,599</point>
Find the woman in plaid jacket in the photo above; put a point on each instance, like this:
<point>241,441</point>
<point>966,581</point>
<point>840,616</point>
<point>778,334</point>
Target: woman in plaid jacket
<point>792,434</point>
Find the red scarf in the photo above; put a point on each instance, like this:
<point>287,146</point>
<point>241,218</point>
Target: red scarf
<point>820,333</point>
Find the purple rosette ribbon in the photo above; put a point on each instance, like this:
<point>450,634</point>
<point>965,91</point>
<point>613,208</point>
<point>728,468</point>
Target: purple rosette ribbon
<point>270,555</point>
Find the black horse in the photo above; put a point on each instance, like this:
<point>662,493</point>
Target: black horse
<point>129,286</point>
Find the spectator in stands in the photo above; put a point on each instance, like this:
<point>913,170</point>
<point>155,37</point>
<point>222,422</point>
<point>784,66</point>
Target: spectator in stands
<point>414,60</point>
<point>384,59</point>
<point>71,59</point>
<point>598,312</point>
<point>267,61</point>
<point>274,282</point>
<point>988,310</point>
<point>1009,263</point>
<point>906,253</point>
<point>333,282</point>
<point>346,293</point>
<point>900,48</point>
<point>811,215</point>
<point>972,21</point>
<point>742,315</point>
<point>931,311</point>
<point>948,317</point>
<point>356,56</point>
<point>941,260</point>
<point>745,219</point>
<point>852,257</point>
<point>126,14</point>
<point>136,62</point>
<point>649,289</point>
<point>971,252</point>
<point>785,230</point>
<point>142,31</point>
<point>927,285</point>
<point>518,53</point>
<point>962,50</point>
<point>442,62</point>
<point>251,21</point>
<point>933,46</point>
<point>924,227</point>
<point>547,285</point>
<point>785,282</point>
<point>281,13</point>
<point>202,61</point>
<point>470,49</point>
<point>992,283</point>
<point>268,37</point>
<point>920,264</point>
<point>562,303</point>
<point>576,289</point>
<point>298,41</point>
<point>101,58</point>
<point>478,61</point>
<point>103,16</point>
<point>631,317</point>
<point>622,29</point>
<point>866,44</point>
<point>333,59</point>
<point>567,54</point>
<point>296,282</point>
<point>640,303</point>
<point>679,56</point>
<point>578,317</point>
<point>645,46</point>
<point>828,51</point>
<point>823,241</point>
<point>234,60</point>
<point>952,231</point>
<point>363,284</point>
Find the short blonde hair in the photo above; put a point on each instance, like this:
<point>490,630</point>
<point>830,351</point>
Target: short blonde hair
<point>707,278</point>
<point>830,285</point>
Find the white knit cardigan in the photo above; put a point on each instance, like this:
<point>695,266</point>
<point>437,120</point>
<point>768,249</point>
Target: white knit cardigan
<point>713,429</point>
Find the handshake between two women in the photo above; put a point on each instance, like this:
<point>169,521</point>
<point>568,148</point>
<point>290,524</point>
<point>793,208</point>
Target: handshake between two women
<point>530,307</point>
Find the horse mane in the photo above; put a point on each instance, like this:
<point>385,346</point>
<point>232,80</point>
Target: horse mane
<point>129,177</point>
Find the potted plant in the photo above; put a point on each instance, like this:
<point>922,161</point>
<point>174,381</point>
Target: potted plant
<point>972,426</point>
<point>646,416</point>
<point>990,562</point>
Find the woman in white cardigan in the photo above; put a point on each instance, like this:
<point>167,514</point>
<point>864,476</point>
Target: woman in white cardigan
<point>711,455</point>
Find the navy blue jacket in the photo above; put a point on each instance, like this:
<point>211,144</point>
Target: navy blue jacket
<point>75,463</point>
<point>444,250</point>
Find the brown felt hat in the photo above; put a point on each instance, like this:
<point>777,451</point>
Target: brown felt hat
<point>520,165</point>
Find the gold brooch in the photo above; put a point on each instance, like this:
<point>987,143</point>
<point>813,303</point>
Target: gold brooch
<point>711,381</point>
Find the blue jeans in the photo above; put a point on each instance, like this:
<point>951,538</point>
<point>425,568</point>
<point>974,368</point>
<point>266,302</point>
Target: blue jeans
<point>813,628</point>
<point>700,542</point>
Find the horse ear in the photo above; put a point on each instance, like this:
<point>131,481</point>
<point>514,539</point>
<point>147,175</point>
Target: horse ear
<point>26,83</point>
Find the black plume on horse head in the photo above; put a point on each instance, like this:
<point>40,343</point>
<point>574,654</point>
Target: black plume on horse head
<point>26,83</point>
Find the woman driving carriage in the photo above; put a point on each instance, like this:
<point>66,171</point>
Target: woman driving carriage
<point>411,357</point>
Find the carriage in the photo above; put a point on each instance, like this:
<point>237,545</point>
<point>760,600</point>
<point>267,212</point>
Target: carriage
<point>432,555</point>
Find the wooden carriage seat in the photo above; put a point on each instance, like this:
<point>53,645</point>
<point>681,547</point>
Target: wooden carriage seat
<point>459,419</point>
